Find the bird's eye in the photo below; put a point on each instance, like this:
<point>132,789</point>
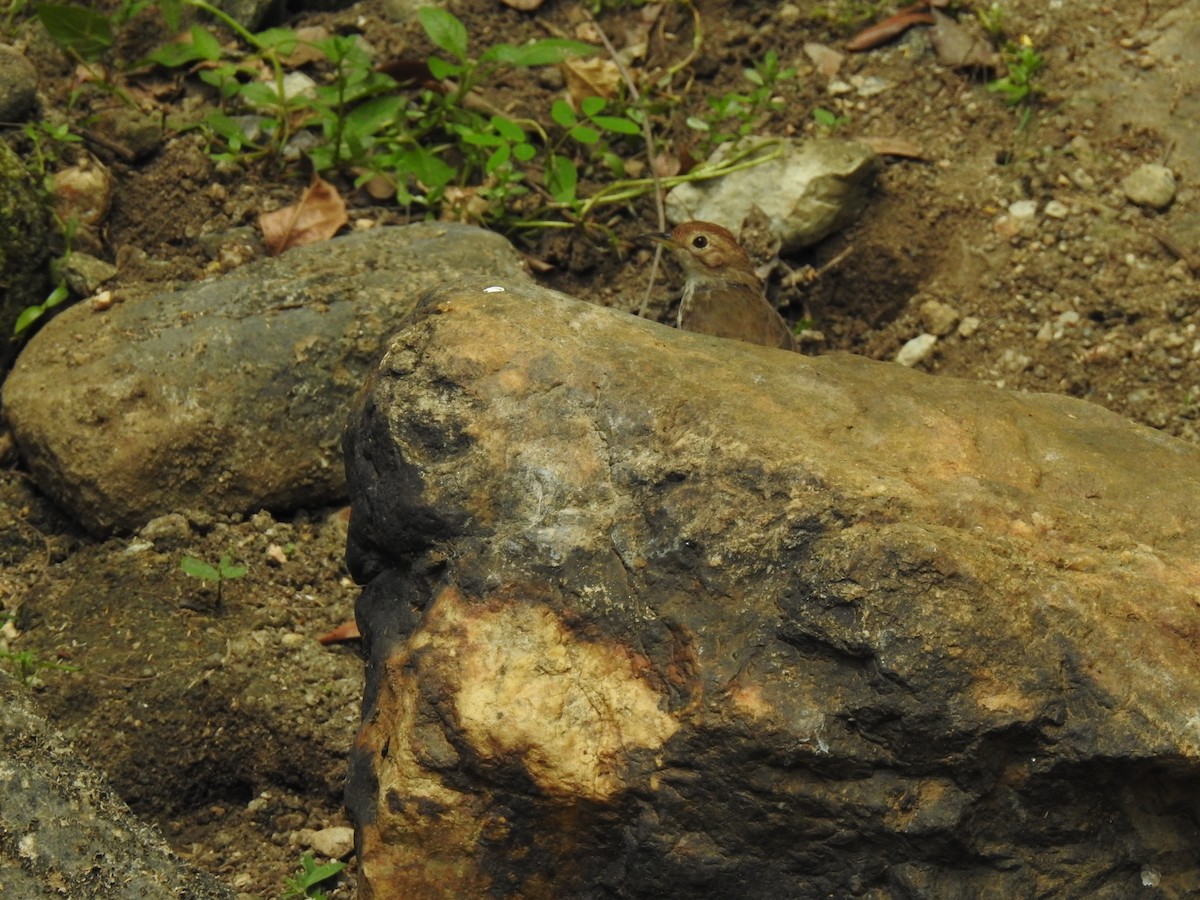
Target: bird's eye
<point>699,242</point>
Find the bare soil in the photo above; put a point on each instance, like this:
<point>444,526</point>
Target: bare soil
<point>228,724</point>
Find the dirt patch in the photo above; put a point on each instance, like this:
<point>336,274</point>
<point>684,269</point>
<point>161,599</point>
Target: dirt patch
<point>229,725</point>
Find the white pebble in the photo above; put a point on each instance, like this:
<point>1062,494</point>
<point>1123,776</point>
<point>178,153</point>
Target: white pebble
<point>916,350</point>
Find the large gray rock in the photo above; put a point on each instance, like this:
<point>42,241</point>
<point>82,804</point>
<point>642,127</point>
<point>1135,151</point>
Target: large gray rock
<point>653,614</point>
<point>18,84</point>
<point>227,396</point>
<point>64,833</point>
<point>807,190</point>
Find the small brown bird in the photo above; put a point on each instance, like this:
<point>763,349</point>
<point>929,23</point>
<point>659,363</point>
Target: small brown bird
<point>722,295</point>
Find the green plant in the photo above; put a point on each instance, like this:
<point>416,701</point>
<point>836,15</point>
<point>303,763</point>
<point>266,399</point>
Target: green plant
<point>304,883</point>
<point>45,138</point>
<point>27,663</point>
<point>587,129</point>
<point>1019,88</point>
<point>846,15</point>
<point>441,146</point>
<point>223,571</point>
<point>991,20</point>
<point>827,119</point>
<point>734,115</point>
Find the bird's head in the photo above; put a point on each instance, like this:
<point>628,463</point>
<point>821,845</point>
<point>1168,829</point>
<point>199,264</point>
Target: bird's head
<point>706,250</point>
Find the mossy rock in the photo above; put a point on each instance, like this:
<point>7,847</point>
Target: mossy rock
<point>24,246</point>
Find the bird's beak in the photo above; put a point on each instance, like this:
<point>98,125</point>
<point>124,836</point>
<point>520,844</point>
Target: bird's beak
<point>659,237</point>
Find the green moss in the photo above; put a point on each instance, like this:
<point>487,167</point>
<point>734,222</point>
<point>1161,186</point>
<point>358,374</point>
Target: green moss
<point>25,229</point>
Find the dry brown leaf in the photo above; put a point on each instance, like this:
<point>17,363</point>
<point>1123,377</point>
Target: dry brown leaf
<point>347,631</point>
<point>960,46</point>
<point>590,78</point>
<point>637,33</point>
<point>305,52</point>
<point>317,216</point>
<point>889,29</point>
<point>523,5</point>
<point>893,146</point>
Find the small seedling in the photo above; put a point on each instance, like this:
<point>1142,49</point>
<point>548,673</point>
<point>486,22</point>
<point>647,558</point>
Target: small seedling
<point>304,883</point>
<point>991,20</point>
<point>223,571</point>
<point>827,119</point>
<point>1019,88</point>
<point>27,663</point>
<point>735,115</point>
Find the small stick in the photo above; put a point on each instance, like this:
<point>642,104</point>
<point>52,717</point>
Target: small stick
<point>648,137</point>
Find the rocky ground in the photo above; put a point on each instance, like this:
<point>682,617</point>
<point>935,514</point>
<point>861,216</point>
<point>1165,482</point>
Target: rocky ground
<point>1021,249</point>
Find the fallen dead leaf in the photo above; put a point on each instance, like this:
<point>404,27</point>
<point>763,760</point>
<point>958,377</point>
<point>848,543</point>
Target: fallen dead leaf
<point>593,77</point>
<point>890,28</point>
<point>347,631</point>
<point>317,216</point>
<point>523,5</point>
<point>893,146</point>
<point>305,52</point>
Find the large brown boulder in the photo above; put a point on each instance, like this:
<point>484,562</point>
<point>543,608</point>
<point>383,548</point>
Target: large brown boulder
<point>653,614</point>
<point>229,396</point>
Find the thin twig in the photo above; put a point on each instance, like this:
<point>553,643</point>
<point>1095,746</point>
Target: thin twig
<point>648,137</point>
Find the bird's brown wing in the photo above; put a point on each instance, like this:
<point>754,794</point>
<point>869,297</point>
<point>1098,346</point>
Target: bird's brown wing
<point>742,318</point>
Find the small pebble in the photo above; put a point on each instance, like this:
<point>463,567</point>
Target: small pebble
<point>1023,210</point>
<point>1056,210</point>
<point>335,842</point>
<point>1150,185</point>
<point>938,318</point>
<point>170,529</point>
<point>968,326</point>
<point>916,350</point>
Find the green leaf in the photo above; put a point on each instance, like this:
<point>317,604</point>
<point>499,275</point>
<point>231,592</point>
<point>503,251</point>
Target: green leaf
<point>548,52</point>
<point>260,94</point>
<point>498,158</point>
<point>509,129</point>
<point>57,296</point>
<point>524,152</point>
<point>374,115</point>
<point>203,46</point>
<point>309,875</point>
<point>445,30</point>
<point>615,164</point>
<point>617,124</point>
<point>425,167</point>
<point>281,40</point>
<point>480,139</point>
<point>31,314</point>
<point>228,570</point>
<point>697,124</point>
<point>77,28</point>
<point>440,68</point>
<point>561,178</point>
<point>198,568</point>
<point>585,134</point>
<point>589,106</point>
<point>561,113</point>
<point>28,316</point>
<point>172,12</point>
